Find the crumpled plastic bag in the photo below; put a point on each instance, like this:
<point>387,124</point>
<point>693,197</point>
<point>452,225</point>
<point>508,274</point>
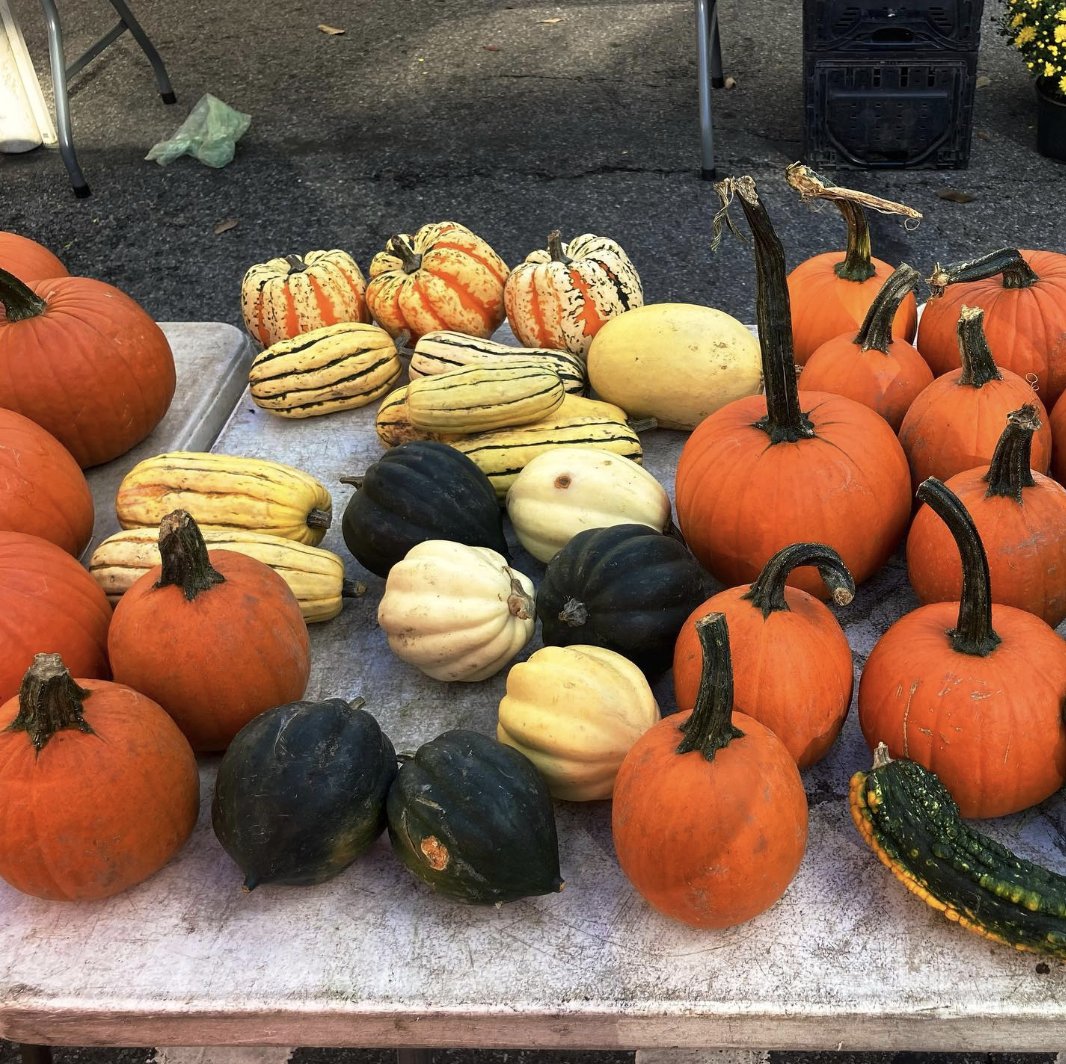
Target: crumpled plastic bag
<point>209,134</point>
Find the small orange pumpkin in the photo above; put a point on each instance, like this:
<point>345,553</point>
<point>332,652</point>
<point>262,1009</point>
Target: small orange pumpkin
<point>43,491</point>
<point>443,277</point>
<point>215,640</point>
<point>99,789</point>
<point>792,663</point>
<point>709,815</point>
<point>27,259</point>
<point>971,690</point>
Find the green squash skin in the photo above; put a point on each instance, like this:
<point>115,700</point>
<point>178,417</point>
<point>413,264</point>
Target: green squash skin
<point>638,587</point>
<point>418,491</point>
<point>301,792</point>
<point>911,821</point>
<point>473,819</point>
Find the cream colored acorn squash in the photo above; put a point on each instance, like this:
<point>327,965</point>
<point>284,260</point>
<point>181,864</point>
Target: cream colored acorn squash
<point>674,362</point>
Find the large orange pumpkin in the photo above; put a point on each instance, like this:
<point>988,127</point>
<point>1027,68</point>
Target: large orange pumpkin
<point>84,361</point>
<point>955,423</point>
<point>709,815</point>
<point>872,367</point>
<point>1023,295</point>
<point>27,259</point>
<point>43,491</point>
<point>971,690</point>
<point>767,471</point>
<point>443,277</point>
<point>831,295</point>
<point>48,604</point>
<point>215,640</point>
<point>1057,425</point>
<point>791,659</point>
<point>99,788</point>
<point>1020,516</point>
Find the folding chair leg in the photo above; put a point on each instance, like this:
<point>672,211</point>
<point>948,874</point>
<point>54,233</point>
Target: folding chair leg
<point>706,17</point>
<point>166,91</point>
<point>59,85</point>
<point>717,77</point>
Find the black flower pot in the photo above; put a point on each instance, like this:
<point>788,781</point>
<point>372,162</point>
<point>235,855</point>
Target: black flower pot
<point>1050,121</point>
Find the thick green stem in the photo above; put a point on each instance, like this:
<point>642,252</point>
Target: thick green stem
<point>1017,273</point>
<point>407,255</point>
<point>555,247</point>
<point>296,264</point>
<point>973,634</point>
<point>184,556</point>
<point>876,331</point>
<point>978,365</point>
<point>784,422</point>
<point>49,701</point>
<point>1009,472</point>
<point>710,726</point>
<point>317,518</point>
<point>19,300</point>
<point>856,265</point>
<point>768,591</point>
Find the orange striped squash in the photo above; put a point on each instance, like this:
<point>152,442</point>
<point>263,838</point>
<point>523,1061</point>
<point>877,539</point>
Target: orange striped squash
<point>442,277</point>
<point>561,296</point>
<point>293,294</point>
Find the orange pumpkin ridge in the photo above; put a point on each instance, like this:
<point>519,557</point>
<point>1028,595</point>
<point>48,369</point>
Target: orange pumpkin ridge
<point>472,253</point>
<point>28,260</point>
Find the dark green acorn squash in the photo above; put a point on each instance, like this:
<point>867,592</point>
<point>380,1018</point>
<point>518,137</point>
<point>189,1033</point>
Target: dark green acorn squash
<point>473,819</point>
<point>301,791</point>
<point>627,588</point>
<point>418,491</point>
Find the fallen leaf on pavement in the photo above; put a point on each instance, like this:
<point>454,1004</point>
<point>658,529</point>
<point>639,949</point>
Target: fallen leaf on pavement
<point>333,31</point>
<point>224,226</point>
<point>491,47</point>
<point>730,83</point>
<point>983,135</point>
<point>983,82</point>
<point>550,21</point>
<point>954,195</point>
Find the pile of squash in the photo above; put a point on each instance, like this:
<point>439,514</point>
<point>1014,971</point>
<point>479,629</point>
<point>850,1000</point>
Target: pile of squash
<point>791,489</point>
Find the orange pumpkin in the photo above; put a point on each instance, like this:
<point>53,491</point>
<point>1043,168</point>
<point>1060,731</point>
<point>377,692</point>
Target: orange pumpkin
<point>48,604</point>
<point>1023,295</point>
<point>43,491</point>
<point>792,662</point>
<point>85,362</point>
<point>767,471</point>
<point>99,789</point>
<point>873,367</point>
<point>708,814</point>
<point>955,423</point>
<point>27,259</point>
<point>1057,424</point>
<point>294,294</point>
<point>443,277</point>
<point>1021,519</point>
<point>561,297</point>
<point>215,640</point>
<point>830,295</point>
<point>971,690</point>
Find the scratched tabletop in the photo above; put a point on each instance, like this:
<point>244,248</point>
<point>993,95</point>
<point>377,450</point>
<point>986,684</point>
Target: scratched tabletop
<point>846,959</point>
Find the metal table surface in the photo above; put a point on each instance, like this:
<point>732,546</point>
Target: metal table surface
<point>846,959</point>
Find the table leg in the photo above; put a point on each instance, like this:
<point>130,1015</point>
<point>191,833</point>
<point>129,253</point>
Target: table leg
<point>706,19</point>
<point>166,91</point>
<point>407,1056</point>
<point>59,85</point>
<point>33,1054</point>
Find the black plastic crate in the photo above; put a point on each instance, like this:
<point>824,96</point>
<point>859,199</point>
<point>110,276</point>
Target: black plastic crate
<point>890,113</point>
<point>877,26</point>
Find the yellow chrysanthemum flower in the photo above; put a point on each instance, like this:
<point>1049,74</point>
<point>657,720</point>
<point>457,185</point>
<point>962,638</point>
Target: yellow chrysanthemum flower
<point>1060,33</point>
<point>1025,35</point>
<point>1061,14</point>
<point>1062,85</point>
<point>1017,20</point>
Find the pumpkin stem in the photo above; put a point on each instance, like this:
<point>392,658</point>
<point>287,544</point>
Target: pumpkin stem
<point>19,300</point>
<point>518,602</point>
<point>296,264</point>
<point>319,518</point>
<point>973,634</point>
<point>978,365</point>
<point>710,725</point>
<point>555,248</point>
<point>1009,471</point>
<point>49,701</point>
<point>1017,273</point>
<point>184,555</point>
<point>356,482</point>
<point>574,613</point>
<point>876,331</point>
<point>881,756</point>
<point>407,255</point>
<point>768,591</point>
<point>850,202</point>
<point>784,422</point>
<point>350,589</point>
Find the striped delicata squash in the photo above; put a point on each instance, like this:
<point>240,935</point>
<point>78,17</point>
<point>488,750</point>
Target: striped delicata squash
<point>337,367</point>
<point>224,491</point>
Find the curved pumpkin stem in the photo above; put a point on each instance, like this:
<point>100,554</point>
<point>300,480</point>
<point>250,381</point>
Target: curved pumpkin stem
<point>49,701</point>
<point>186,563</point>
<point>1009,472</point>
<point>296,264</point>
<point>978,365</point>
<point>555,247</point>
<point>1017,273</point>
<point>784,422</point>
<point>973,634</point>
<point>19,300</point>
<point>709,727</point>
<point>875,334</point>
<point>407,255</point>
<point>767,593</point>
